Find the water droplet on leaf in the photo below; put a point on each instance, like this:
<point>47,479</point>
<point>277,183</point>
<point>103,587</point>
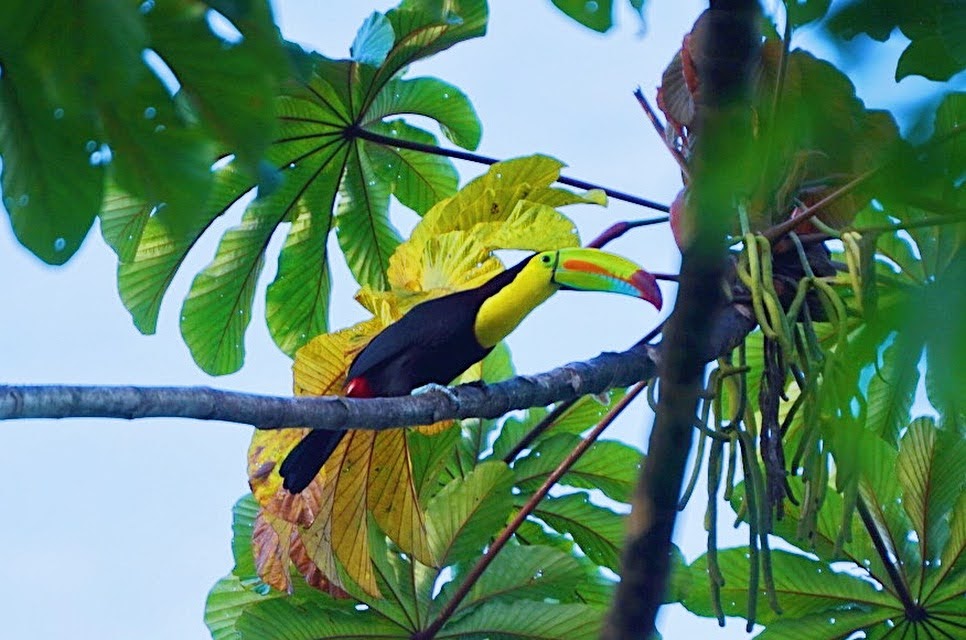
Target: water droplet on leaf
<point>60,244</point>
<point>150,112</point>
<point>58,113</point>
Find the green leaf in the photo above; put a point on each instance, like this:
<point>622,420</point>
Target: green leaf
<point>157,154</point>
<point>425,27</point>
<point>932,57</point>
<point>612,467</point>
<point>242,527</point>
<point>143,280</point>
<point>803,586</point>
<point>102,106</point>
<point>892,387</point>
<point>231,85</point>
<point>51,187</point>
<point>297,301</point>
<point>519,574</point>
<point>929,470</point>
<point>373,40</point>
<point>828,625</point>
<point>406,584</point>
<point>123,218</point>
<point>312,619</point>
<point>218,307</point>
<point>801,12</point>
<point>936,49</point>
<point>365,234</point>
<point>418,180</point>
<point>947,579</point>
<point>468,512</point>
<point>596,15</point>
<point>226,603</point>
<point>680,580</point>
<point>583,415</point>
<point>434,99</point>
<point>535,621</point>
<point>598,530</point>
<point>231,595</point>
<point>950,118</point>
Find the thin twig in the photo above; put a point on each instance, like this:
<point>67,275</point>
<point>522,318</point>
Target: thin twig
<point>474,574</point>
<point>779,230</point>
<point>662,132</point>
<point>618,229</point>
<point>359,132</point>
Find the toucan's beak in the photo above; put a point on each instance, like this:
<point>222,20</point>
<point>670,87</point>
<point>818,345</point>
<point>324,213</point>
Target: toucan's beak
<point>596,270</point>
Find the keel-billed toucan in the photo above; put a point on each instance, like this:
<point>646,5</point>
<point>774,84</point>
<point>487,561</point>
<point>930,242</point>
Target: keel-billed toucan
<point>439,339</point>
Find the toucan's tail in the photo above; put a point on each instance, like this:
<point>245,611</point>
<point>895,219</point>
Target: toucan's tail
<point>303,462</point>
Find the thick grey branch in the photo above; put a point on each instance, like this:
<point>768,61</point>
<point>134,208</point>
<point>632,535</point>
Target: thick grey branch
<point>606,371</point>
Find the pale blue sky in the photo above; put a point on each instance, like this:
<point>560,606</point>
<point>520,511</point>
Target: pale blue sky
<point>117,530</point>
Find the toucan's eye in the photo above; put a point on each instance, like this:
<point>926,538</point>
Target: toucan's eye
<point>545,259</point>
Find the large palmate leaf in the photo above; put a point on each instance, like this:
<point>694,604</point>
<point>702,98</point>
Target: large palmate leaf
<point>804,587</point>
<point>609,466</point>
<point>106,108</point>
<point>462,516</point>
<point>242,607</point>
<point>531,572</point>
<point>598,530</point>
<point>907,548</point>
<point>331,163</point>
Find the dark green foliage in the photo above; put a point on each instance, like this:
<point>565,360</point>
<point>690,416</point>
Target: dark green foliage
<point>595,14</point>
<point>935,27</point>
<point>106,111</point>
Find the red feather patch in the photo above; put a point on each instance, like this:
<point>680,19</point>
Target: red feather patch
<point>358,388</point>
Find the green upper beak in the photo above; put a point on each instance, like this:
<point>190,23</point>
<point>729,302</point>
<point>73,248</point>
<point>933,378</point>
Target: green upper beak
<point>596,270</point>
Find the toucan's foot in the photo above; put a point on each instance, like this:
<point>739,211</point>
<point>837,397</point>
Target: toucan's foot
<point>432,386</point>
<point>603,397</point>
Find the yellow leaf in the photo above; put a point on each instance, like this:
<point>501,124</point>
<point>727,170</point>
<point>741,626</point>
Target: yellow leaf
<point>276,545</point>
<point>320,369</point>
<point>270,546</point>
<point>265,454</point>
<point>441,264</point>
<point>493,196</point>
<point>529,226</point>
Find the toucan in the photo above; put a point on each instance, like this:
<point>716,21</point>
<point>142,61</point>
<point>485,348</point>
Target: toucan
<point>437,340</point>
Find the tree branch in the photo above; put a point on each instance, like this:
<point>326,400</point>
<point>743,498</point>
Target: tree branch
<point>360,132</point>
<point>475,400</point>
<point>722,167</point>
